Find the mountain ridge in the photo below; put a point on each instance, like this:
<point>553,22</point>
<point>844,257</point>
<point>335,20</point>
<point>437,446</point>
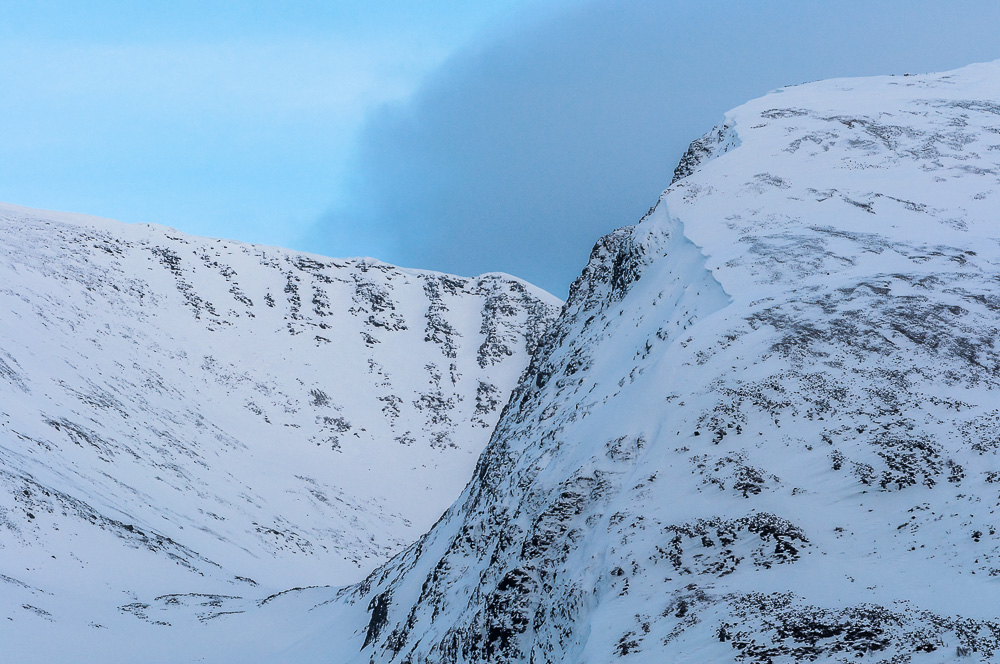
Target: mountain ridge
<point>240,419</point>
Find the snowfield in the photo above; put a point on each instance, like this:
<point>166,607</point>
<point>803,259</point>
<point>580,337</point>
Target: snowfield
<point>764,428</point>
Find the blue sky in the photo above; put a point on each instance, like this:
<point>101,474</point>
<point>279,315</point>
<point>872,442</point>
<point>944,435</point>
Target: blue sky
<point>222,118</point>
<point>459,136</point>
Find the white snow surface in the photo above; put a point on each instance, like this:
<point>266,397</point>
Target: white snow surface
<point>188,424</point>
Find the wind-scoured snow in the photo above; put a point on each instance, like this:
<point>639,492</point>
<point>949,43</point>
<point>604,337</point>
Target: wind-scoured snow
<point>189,425</point>
<point>765,427</point>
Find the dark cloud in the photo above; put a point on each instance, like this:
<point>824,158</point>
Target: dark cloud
<point>522,150</point>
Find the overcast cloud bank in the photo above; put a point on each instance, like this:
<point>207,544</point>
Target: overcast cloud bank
<point>526,147</point>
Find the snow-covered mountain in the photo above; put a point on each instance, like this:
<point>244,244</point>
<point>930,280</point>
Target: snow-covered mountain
<point>765,427</point>
<point>181,414</point>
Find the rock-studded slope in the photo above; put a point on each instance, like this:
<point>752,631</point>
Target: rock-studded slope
<point>765,427</point>
<point>183,415</point>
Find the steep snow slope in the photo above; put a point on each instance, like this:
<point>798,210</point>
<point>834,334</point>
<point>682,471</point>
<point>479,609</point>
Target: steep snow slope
<point>186,415</point>
<point>765,427</point>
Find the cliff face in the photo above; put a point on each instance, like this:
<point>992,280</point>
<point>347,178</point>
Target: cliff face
<point>765,426</point>
<point>184,414</point>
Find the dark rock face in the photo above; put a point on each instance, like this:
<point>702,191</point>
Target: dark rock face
<point>716,142</point>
